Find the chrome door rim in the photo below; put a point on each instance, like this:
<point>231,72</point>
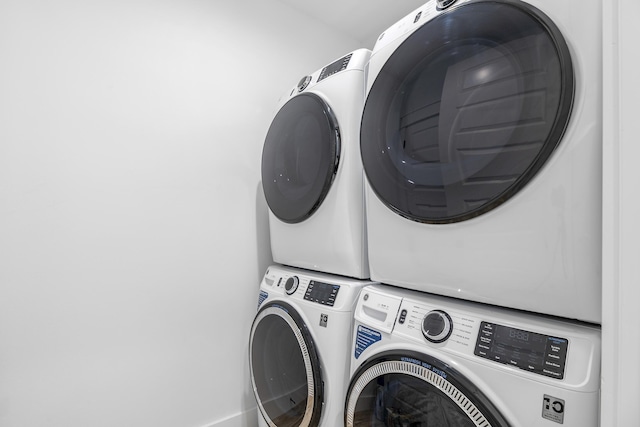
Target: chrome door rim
<point>420,372</point>
<point>283,314</point>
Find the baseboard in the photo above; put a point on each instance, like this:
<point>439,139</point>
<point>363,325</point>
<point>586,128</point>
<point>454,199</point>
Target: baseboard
<point>243,419</point>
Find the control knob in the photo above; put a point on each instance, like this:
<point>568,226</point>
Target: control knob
<point>303,83</point>
<point>291,285</point>
<point>443,4</point>
<point>437,326</point>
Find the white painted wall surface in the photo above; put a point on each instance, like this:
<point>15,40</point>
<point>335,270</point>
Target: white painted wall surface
<point>621,226</point>
<point>133,231</point>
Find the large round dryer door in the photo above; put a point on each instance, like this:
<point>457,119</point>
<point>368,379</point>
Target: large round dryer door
<point>285,368</point>
<point>466,111</point>
<point>414,389</point>
<point>300,157</point>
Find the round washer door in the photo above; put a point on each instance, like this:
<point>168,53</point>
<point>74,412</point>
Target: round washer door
<point>415,389</point>
<point>285,368</point>
<point>466,111</point>
<point>300,157</point>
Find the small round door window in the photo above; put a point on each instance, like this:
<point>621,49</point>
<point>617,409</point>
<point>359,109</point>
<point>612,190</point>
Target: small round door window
<point>285,369</point>
<point>466,111</point>
<point>300,157</point>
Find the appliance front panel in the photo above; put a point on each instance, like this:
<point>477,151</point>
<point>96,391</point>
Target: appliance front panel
<point>485,203</point>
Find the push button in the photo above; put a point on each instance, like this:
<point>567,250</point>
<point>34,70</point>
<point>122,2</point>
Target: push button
<point>403,317</point>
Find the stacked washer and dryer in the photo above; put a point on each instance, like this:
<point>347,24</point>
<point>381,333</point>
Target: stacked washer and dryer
<point>481,145</point>
<point>480,140</point>
<point>313,183</point>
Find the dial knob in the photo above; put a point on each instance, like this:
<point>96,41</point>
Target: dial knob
<point>303,83</point>
<point>443,4</point>
<point>437,326</point>
<point>291,285</point>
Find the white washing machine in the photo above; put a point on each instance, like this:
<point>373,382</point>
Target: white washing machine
<point>299,347</point>
<point>312,172</point>
<point>419,359</point>
<point>481,145</point>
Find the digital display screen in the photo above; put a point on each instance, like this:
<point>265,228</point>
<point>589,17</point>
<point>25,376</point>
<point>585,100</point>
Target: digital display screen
<point>322,293</point>
<point>519,344</point>
<point>530,351</point>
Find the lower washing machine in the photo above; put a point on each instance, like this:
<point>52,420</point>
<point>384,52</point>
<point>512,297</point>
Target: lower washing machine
<point>299,347</point>
<point>424,360</point>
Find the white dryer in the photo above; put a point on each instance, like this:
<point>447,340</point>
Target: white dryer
<point>299,347</point>
<point>481,145</point>
<point>312,172</point>
<point>420,359</point>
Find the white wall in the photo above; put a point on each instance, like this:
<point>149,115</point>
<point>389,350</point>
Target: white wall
<point>132,229</point>
<point>621,243</point>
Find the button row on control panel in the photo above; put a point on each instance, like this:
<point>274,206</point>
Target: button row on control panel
<point>484,341</point>
<point>555,358</point>
<point>324,301</point>
<point>324,298</point>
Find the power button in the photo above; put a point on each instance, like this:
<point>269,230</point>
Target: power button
<point>403,317</point>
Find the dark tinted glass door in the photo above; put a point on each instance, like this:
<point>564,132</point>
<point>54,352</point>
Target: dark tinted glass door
<point>416,390</point>
<point>466,111</point>
<point>300,157</point>
<point>285,368</point>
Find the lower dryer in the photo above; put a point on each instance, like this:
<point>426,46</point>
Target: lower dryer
<point>419,359</point>
<point>299,347</point>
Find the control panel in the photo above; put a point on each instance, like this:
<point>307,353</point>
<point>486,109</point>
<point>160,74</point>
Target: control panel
<point>462,332</point>
<point>322,293</point>
<point>335,67</point>
<point>334,293</point>
<point>530,351</point>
